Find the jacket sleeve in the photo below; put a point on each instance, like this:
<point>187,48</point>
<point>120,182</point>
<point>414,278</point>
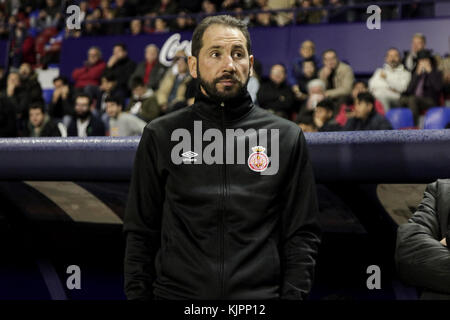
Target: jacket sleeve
<point>142,222</point>
<point>300,231</point>
<point>345,86</point>
<point>421,260</point>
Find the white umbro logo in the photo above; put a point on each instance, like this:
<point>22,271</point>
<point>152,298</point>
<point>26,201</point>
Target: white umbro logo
<point>189,156</point>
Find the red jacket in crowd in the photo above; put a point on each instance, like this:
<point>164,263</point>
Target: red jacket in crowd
<point>88,75</point>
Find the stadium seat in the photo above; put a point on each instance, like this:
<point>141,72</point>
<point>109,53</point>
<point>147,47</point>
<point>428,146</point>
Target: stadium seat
<point>437,118</point>
<point>47,95</point>
<point>400,118</point>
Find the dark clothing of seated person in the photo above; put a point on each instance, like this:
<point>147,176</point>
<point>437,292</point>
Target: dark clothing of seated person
<point>365,117</point>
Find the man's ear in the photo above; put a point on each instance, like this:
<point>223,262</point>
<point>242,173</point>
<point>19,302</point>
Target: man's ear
<point>192,62</point>
<point>251,59</point>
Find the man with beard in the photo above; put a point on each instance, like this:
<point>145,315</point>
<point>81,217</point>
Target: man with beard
<point>389,82</point>
<point>204,226</point>
<point>84,124</point>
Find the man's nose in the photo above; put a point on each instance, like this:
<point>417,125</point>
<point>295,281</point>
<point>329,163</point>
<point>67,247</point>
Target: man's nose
<point>229,63</point>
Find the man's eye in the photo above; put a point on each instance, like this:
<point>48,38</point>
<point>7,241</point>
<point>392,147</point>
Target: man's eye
<point>215,54</point>
<point>238,54</point>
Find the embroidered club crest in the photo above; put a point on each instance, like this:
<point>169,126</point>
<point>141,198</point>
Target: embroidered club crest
<point>258,160</point>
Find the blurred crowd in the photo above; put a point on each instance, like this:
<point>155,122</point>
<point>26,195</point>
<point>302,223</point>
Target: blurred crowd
<point>110,94</point>
<point>37,28</point>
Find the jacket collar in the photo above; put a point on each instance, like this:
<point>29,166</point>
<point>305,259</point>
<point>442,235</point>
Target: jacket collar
<point>218,111</point>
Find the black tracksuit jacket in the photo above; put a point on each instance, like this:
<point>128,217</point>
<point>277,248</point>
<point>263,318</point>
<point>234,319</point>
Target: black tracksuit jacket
<point>220,231</point>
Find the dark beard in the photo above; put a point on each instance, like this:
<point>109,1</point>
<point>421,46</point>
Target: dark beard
<point>83,116</point>
<point>214,94</point>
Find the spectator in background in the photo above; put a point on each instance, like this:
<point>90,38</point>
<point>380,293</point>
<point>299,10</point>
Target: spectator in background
<point>347,108</point>
<point>136,27</point>
<point>165,7</point>
<point>40,124</point>
<point>173,86</point>
<point>84,123</point>
<point>337,75</point>
<point>316,93</point>
<point>366,118</point>
<point>445,69</point>
<point>296,72</point>
<point>61,106</point>
<point>48,17</point>
<point>30,83</point>
<point>22,46</point>
<point>264,19</point>
<point>16,95</point>
<point>282,18</point>
<point>150,70</point>
<point>208,7</point>
<point>108,87</point>
<point>305,121</point>
<point>275,94</point>
<point>309,72</point>
<point>121,9</point>
<point>3,76</point>
<point>323,116</point>
<point>121,66</point>
<point>143,103</point>
<point>418,43</point>
<point>122,124</point>
<point>95,28</point>
<point>254,81</point>
<point>90,73</point>
<point>182,22</point>
<point>160,26</point>
<point>424,90</point>
<point>7,118</point>
<point>389,82</point>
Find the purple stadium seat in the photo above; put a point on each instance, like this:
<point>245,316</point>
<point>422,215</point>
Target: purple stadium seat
<point>47,95</point>
<point>400,118</point>
<point>437,118</point>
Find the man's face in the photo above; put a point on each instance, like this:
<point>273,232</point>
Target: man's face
<point>393,58</point>
<point>119,52</point>
<point>58,84</point>
<point>323,114</point>
<point>151,54</point>
<point>136,26</point>
<point>308,69</point>
<point>36,117</point>
<point>358,88</point>
<point>82,107</point>
<point>417,44</point>
<point>113,109</point>
<point>307,49</point>
<point>277,74</point>
<point>223,64</point>
<point>330,60</point>
<point>14,79</point>
<point>93,56</point>
<point>139,91</point>
<point>362,109</point>
<point>106,85</point>
<point>24,70</point>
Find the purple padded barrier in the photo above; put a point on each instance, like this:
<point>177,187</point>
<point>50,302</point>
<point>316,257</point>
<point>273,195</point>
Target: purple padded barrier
<point>416,156</point>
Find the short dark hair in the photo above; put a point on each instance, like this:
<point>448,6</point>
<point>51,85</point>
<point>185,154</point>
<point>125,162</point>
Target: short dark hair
<point>83,95</point>
<point>329,50</point>
<point>37,106</point>
<point>366,97</point>
<point>137,82</point>
<point>326,103</point>
<point>306,117</point>
<point>62,78</point>
<point>226,20</point>
<point>359,81</point>
<point>122,45</point>
<point>114,98</point>
<point>109,76</point>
